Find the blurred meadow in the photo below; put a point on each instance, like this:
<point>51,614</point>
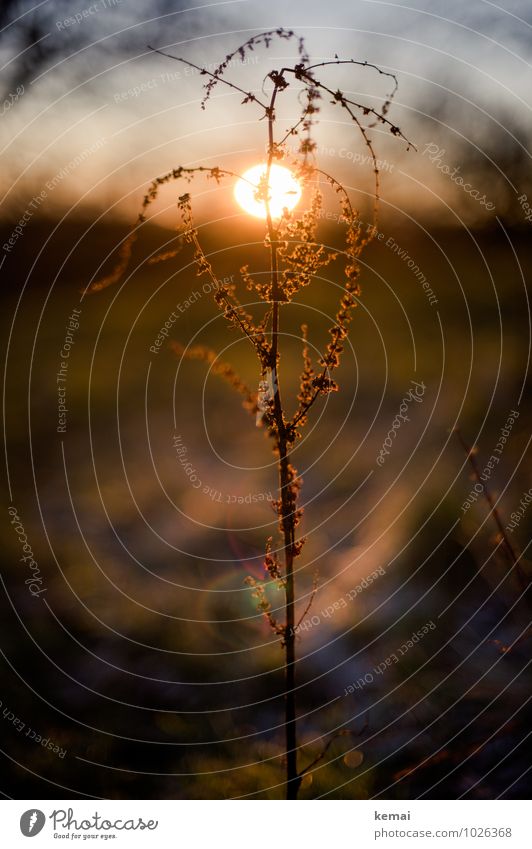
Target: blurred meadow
<point>145,657</point>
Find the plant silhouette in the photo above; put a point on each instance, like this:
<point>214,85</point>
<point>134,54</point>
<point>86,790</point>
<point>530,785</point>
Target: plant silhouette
<point>296,256</point>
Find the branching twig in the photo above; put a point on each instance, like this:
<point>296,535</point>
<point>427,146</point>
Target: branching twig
<point>344,733</point>
<point>220,368</point>
<point>494,510</point>
<point>249,96</point>
<point>313,592</point>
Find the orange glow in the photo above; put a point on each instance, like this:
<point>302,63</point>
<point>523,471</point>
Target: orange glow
<point>284,191</point>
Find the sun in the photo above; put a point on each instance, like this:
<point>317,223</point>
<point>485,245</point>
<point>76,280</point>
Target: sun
<point>284,191</point>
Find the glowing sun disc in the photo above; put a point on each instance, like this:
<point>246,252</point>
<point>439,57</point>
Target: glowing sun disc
<point>284,191</point>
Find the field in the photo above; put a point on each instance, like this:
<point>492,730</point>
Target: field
<point>146,496</point>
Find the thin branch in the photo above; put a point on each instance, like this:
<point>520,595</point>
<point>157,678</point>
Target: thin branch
<point>514,557</point>
<point>301,72</point>
<point>362,64</point>
<point>150,196</point>
<point>234,310</point>
<point>203,71</point>
<point>311,599</point>
<point>220,368</point>
<point>344,733</point>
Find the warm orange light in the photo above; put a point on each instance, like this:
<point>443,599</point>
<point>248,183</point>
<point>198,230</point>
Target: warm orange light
<point>284,191</point>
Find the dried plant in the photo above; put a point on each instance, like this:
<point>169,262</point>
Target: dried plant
<point>296,257</point>
<point>502,534</point>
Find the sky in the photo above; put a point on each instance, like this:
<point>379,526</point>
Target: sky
<point>92,112</point>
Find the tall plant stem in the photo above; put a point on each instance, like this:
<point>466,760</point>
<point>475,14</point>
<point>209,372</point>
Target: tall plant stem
<point>288,529</point>
<point>293,780</point>
<point>287,522</point>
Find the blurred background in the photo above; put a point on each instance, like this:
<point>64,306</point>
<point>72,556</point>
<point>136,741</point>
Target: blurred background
<point>135,663</point>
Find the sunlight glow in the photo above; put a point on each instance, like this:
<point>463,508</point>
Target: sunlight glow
<point>284,191</point>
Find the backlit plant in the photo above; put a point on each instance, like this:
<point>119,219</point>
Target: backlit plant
<point>296,256</point>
